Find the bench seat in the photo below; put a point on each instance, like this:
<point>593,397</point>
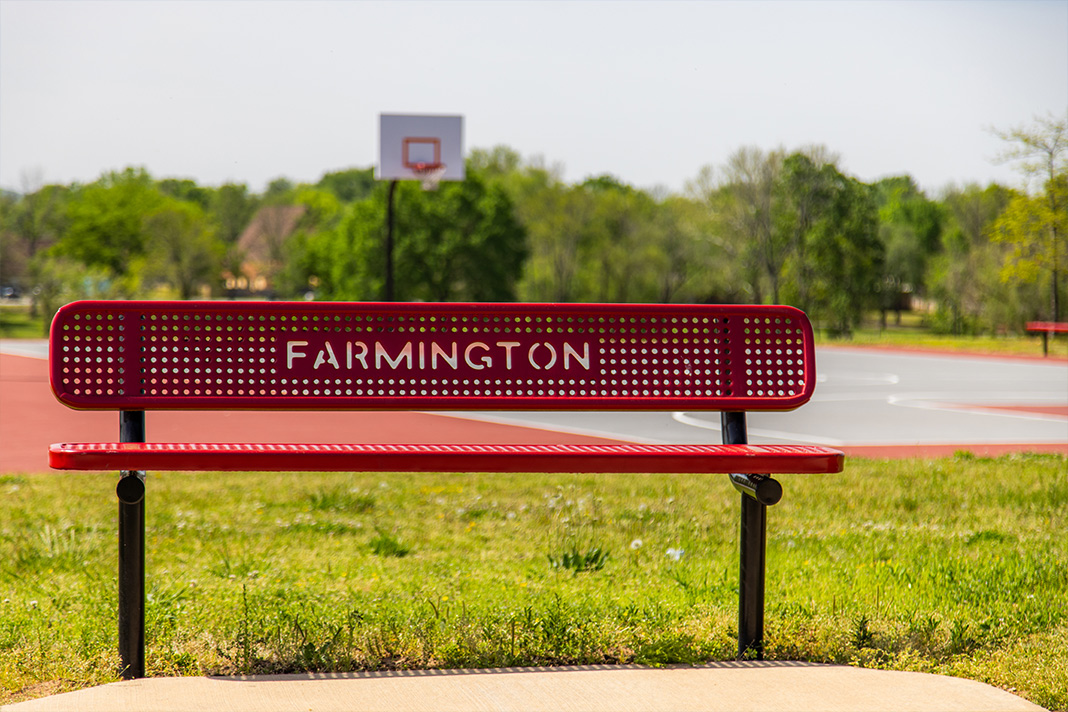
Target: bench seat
<point>625,457</point>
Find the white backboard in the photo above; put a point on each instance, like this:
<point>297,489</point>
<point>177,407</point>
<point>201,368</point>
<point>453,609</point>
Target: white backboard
<point>409,141</point>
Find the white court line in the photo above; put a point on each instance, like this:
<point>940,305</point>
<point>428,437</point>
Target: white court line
<point>31,348</point>
<point>551,427</point>
<point>681,417</point>
<point>950,403</point>
<point>858,376</point>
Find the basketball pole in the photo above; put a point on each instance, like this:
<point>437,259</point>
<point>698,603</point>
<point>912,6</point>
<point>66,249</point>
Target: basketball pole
<point>388,296</point>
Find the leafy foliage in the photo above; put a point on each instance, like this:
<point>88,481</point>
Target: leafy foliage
<point>766,226</point>
<point>182,250</point>
<point>459,243</point>
<point>106,221</point>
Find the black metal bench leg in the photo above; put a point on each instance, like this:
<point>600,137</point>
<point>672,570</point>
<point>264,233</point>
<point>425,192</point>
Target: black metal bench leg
<point>756,490</point>
<point>751,587</point>
<point>131,494</point>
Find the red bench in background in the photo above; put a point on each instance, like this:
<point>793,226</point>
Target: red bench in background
<point>134,357</point>
<point>1046,328</point>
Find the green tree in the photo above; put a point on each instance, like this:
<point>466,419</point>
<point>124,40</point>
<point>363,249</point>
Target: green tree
<point>296,274</point>
<point>495,162</point>
<point>805,194</point>
<point>910,228</point>
<point>558,222</point>
<point>623,244</point>
<point>350,185</point>
<point>746,205</point>
<point>1037,228</point>
<point>846,255</point>
<point>279,191</point>
<point>187,190</point>
<point>106,221</point>
<point>58,280</point>
<point>1036,234</point>
<point>29,224</point>
<point>40,217</point>
<point>232,208</point>
<point>321,208</point>
<point>461,242</point>
<point>182,249</point>
<point>962,278</point>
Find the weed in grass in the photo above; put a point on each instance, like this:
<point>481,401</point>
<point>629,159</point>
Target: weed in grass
<point>576,561</point>
<point>670,648</point>
<point>862,634</point>
<point>386,544</point>
<point>961,638</point>
<point>342,499</point>
<point>923,633</point>
<point>245,565</point>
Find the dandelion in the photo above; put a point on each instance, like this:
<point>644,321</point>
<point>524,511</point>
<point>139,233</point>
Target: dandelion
<point>675,554</point>
<point>636,544</point>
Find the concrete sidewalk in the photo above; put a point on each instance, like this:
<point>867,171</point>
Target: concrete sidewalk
<point>751,686</point>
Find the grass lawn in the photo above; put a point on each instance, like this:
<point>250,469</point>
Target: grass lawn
<point>16,323</point>
<point>954,565</point>
<point>992,345</point>
<point>912,333</point>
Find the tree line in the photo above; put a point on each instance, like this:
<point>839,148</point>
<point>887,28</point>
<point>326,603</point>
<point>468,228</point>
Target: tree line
<point>773,226</point>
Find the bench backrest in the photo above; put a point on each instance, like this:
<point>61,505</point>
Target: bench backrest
<point>150,355</point>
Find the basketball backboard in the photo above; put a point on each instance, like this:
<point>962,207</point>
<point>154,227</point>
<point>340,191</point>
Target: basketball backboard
<point>411,145</point>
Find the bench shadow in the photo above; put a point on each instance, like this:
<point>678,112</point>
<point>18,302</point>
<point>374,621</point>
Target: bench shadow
<point>372,674</point>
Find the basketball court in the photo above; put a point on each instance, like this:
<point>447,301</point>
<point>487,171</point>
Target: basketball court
<point>867,403</point>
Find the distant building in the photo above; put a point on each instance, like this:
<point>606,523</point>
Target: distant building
<point>262,247</point>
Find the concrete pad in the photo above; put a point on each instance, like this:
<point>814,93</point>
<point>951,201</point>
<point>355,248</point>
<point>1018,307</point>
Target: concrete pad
<point>738,687</point>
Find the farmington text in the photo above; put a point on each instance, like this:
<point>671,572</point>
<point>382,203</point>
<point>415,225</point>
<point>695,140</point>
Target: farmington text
<point>477,355</point>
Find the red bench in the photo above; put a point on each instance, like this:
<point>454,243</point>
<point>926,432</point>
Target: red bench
<point>137,356</point>
<point>1046,328</point>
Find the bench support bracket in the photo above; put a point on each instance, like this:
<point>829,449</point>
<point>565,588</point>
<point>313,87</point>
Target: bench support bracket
<point>131,494</point>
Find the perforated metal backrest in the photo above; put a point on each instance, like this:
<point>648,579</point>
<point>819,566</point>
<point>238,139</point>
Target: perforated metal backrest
<point>352,356</point>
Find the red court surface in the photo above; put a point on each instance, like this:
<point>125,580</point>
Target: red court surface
<point>31,419</point>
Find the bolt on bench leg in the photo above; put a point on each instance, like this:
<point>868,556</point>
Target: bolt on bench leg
<point>131,494</point>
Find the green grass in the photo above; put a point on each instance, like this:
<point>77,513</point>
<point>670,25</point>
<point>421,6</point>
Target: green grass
<point>1009,345</point>
<point>952,565</point>
<point>913,333</point>
<point>16,323</point>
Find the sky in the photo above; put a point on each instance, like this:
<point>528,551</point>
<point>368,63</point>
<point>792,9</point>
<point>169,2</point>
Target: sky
<point>248,91</point>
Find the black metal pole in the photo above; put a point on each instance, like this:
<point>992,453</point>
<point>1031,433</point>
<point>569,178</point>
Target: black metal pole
<point>131,494</point>
<point>388,296</point>
<point>751,549</point>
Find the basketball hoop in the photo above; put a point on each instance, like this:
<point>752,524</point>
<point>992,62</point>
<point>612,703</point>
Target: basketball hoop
<point>429,174</point>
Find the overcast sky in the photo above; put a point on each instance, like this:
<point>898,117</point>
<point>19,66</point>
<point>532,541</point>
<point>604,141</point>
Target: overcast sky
<point>248,91</point>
